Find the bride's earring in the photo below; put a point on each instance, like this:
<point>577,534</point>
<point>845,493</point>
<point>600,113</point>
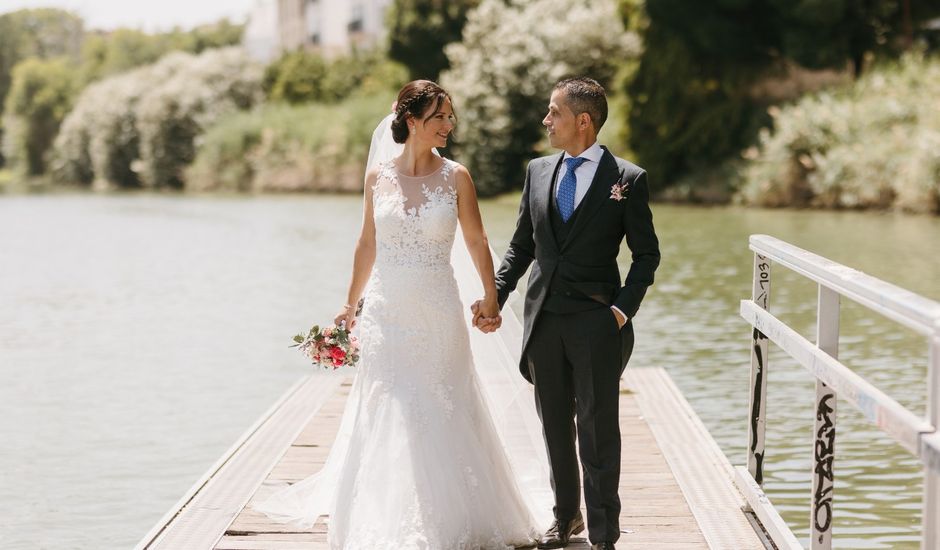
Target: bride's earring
<point>412,130</point>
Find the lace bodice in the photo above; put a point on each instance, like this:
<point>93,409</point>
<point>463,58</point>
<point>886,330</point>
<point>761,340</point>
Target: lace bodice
<point>415,217</point>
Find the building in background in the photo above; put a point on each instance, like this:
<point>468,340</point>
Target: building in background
<point>333,27</point>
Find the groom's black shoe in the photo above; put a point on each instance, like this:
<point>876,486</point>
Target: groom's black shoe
<point>603,546</point>
<point>560,532</point>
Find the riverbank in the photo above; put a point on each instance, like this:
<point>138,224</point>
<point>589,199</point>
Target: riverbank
<point>712,193</point>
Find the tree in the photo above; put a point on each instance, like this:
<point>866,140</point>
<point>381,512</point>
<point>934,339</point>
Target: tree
<point>105,54</point>
<point>302,76</point>
<point>420,29</point>
<point>872,143</point>
<point>220,34</point>
<point>39,98</point>
<point>503,71</point>
<point>140,128</point>
<point>43,33</point>
<point>177,110</point>
<point>693,92</point>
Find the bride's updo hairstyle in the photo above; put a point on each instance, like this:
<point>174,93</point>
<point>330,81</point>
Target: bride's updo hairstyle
<point>414,100</point>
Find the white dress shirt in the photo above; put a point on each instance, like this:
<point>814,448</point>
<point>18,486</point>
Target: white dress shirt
<point>584,175</point>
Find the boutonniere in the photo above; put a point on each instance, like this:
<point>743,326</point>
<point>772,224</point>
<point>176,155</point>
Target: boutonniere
<point>618,191</point>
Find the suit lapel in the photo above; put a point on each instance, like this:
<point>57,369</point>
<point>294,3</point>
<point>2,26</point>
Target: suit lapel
<point>542,191</point>
<point>597,193</point>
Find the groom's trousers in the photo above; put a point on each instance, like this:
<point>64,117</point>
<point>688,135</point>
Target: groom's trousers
<point>575,361</point>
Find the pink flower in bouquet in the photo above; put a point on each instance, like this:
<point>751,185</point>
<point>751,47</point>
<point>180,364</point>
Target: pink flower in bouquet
<point>331,347</point>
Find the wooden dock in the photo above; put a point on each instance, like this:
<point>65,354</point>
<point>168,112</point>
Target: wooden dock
<point>676,486</point>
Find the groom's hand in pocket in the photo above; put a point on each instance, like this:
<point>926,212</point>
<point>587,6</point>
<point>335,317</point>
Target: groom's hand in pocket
<point>621,318</point>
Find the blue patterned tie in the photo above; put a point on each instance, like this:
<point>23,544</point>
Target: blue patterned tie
<point>567,187</point>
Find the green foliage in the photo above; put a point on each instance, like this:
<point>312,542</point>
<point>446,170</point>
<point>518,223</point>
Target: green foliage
<point>105,54</point>
<point>874,144</point>
<point>220,34</point>
<point>99,141</point>
<point>694,101</point>
<point>44,33</point>
<point>139,128</point>
<point>39,98</point>
<point>419,30</point>
<point>51,33</point>
<point>503,72</point>
<point>121,50</point>
<point>684,117</point>
<point>281,147</point>
<point>301,76</point>
<point>175,111</point>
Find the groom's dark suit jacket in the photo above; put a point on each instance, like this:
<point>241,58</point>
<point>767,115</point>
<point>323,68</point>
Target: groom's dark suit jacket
<point>582,268</point>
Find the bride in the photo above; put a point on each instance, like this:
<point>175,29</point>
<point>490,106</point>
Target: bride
<point>424,459</point>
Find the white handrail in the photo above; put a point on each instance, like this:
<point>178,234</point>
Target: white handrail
<point>833,379</point>
<point>896,421</point>
<point>901,305</point>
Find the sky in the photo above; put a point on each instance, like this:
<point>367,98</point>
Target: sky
<point>148,15</point>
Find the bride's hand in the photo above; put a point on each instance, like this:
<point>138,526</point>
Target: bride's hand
<point>489,308</point>
<point>346,314</point>
<point>486,315</point>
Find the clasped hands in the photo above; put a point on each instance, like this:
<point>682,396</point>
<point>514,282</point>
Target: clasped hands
<point>486,315</point>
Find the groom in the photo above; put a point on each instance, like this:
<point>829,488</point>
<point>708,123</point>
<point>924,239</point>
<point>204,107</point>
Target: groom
<point>576,209</point>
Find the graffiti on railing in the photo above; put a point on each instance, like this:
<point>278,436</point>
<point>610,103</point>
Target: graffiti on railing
<point>824,455</point>
<point>760,344</point>
<point>760,294</point>
<point>762,282</point>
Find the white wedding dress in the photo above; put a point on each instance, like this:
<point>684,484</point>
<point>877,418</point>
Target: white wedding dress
<point>419,462</point>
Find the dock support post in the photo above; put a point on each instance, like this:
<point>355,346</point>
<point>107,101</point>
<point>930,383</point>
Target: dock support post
<point>824,428</point>
<point>760,293</point>
<point>931,509</point>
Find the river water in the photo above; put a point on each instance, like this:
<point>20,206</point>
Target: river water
<point>141,334</point>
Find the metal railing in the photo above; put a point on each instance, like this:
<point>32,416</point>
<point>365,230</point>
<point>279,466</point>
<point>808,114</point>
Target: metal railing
<point>916,434</point>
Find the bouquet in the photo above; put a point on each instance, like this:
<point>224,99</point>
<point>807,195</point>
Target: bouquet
<point>331,348</point>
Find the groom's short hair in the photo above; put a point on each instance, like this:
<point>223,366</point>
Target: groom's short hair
<point>585,95</point>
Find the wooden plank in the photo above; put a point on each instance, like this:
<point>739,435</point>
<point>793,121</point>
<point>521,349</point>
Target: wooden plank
<point>187,497</point>
<point>203,518</point>
<point>655,510</point>
<point>698,465</point>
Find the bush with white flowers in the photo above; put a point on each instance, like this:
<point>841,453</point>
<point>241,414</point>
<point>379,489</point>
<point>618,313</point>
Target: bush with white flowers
<point>872,144</point>
<point>502,74</point>
<point>141,128</point>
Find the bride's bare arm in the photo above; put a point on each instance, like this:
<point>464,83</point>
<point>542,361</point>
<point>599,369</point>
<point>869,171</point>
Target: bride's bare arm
<point>364,257</point>
<point>471,224</point>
